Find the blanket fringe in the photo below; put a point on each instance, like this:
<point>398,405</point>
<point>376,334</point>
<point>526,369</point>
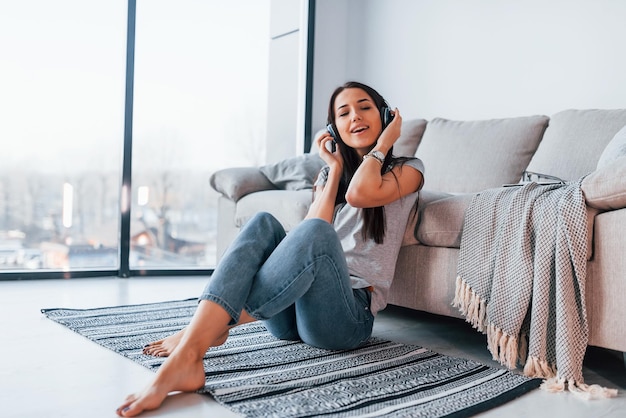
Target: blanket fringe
<point>580,390</point>
<point>523,349</point>
<point>508,349</point>
<point>503,347</point>
<point>539,368</point>
<point>473,308</point>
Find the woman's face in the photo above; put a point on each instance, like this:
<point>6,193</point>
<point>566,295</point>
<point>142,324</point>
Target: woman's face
<point>357,119</point>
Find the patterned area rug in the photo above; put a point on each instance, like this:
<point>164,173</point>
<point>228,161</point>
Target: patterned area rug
<point>256,375</point>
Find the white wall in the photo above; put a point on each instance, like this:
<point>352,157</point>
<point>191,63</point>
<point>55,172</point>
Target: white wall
<point>285,105</point>
<point>330,59</point>
<point>474,59</point>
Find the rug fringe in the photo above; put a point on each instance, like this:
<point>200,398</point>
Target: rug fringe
<point>580,390</point>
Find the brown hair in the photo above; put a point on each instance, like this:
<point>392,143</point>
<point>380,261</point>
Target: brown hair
<point>373,218</point>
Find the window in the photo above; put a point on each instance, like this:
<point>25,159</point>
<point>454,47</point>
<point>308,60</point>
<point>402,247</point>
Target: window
<point>199,79</point>
<point>61,129</point>
<point>199,105</point>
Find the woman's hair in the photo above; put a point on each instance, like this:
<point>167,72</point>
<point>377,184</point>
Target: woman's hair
<point>373,218</point>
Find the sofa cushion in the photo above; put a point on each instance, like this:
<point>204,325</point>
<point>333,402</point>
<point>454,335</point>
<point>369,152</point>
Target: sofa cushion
<point>605,188</point>
<point>615,148</point>
<point>469,156</point>
<point>574,141</point>
<point>288,206</point>
<point>441,221</point>
<point>424,198</point>
<point>296,173</point>
<point>236,182</point>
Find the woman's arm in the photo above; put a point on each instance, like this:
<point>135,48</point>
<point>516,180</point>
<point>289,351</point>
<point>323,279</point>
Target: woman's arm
<point>368,188</point>
<point>371,189</point>
<point>323,205</point>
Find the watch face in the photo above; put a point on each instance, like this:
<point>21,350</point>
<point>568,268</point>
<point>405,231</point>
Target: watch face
<point>378,155</point>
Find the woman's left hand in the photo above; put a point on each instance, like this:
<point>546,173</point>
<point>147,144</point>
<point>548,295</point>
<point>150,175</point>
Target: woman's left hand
<point>392,132</point>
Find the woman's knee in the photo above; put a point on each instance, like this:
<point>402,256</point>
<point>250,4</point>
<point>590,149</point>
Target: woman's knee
<point>315,230</point>
<point>264,223</point>
<point>265,218</point>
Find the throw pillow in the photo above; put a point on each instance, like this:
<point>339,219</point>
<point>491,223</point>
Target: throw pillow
<point>410,138</point>
<point>294,173</point>
<point>574,140</point>
<point>615,148</point>
<point>236,182</point>
<point>605,189</point>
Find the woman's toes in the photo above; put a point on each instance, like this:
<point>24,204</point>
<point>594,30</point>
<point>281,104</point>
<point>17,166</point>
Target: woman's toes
<point>126,405</point>
<point>129,411</point>
<point>152,350</point>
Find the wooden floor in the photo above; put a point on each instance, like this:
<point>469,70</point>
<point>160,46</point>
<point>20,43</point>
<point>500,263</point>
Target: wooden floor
<point>48,371</point>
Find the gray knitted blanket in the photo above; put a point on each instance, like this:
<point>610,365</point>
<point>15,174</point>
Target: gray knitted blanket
<point>521,280</point>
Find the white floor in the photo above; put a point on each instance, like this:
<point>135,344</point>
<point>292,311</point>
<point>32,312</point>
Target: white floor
<point>48,371</point>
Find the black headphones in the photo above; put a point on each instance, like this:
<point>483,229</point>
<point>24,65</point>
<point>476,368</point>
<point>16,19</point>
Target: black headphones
<point>386,115</point>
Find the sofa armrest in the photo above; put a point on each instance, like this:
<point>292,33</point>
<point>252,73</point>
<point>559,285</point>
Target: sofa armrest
<point>288,206</point>
<point>234,183</point>
<point>605,188</point>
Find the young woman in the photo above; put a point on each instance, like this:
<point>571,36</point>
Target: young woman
<point>322,283</point>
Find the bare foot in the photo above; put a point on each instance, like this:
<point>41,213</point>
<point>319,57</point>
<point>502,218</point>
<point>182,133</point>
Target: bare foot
<point>166,346</point>
<point>182,372</point>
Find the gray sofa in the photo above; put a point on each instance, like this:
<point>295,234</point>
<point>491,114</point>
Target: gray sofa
<point>461,159</point>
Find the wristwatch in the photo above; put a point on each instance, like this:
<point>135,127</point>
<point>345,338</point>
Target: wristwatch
<point>377,155</point>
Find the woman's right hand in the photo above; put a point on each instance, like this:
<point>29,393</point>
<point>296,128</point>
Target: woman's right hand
<point>333,159</point>
<point>324,196</point>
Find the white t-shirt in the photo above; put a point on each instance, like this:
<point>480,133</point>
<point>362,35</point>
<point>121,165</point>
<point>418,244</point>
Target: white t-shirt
<point>372,264</point>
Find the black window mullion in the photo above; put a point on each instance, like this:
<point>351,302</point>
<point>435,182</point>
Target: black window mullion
<point>126,189</point>
<point>308,99</point>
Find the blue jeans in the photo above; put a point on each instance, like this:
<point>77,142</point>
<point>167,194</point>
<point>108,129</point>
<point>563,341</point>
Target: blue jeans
<point>297,283</point>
